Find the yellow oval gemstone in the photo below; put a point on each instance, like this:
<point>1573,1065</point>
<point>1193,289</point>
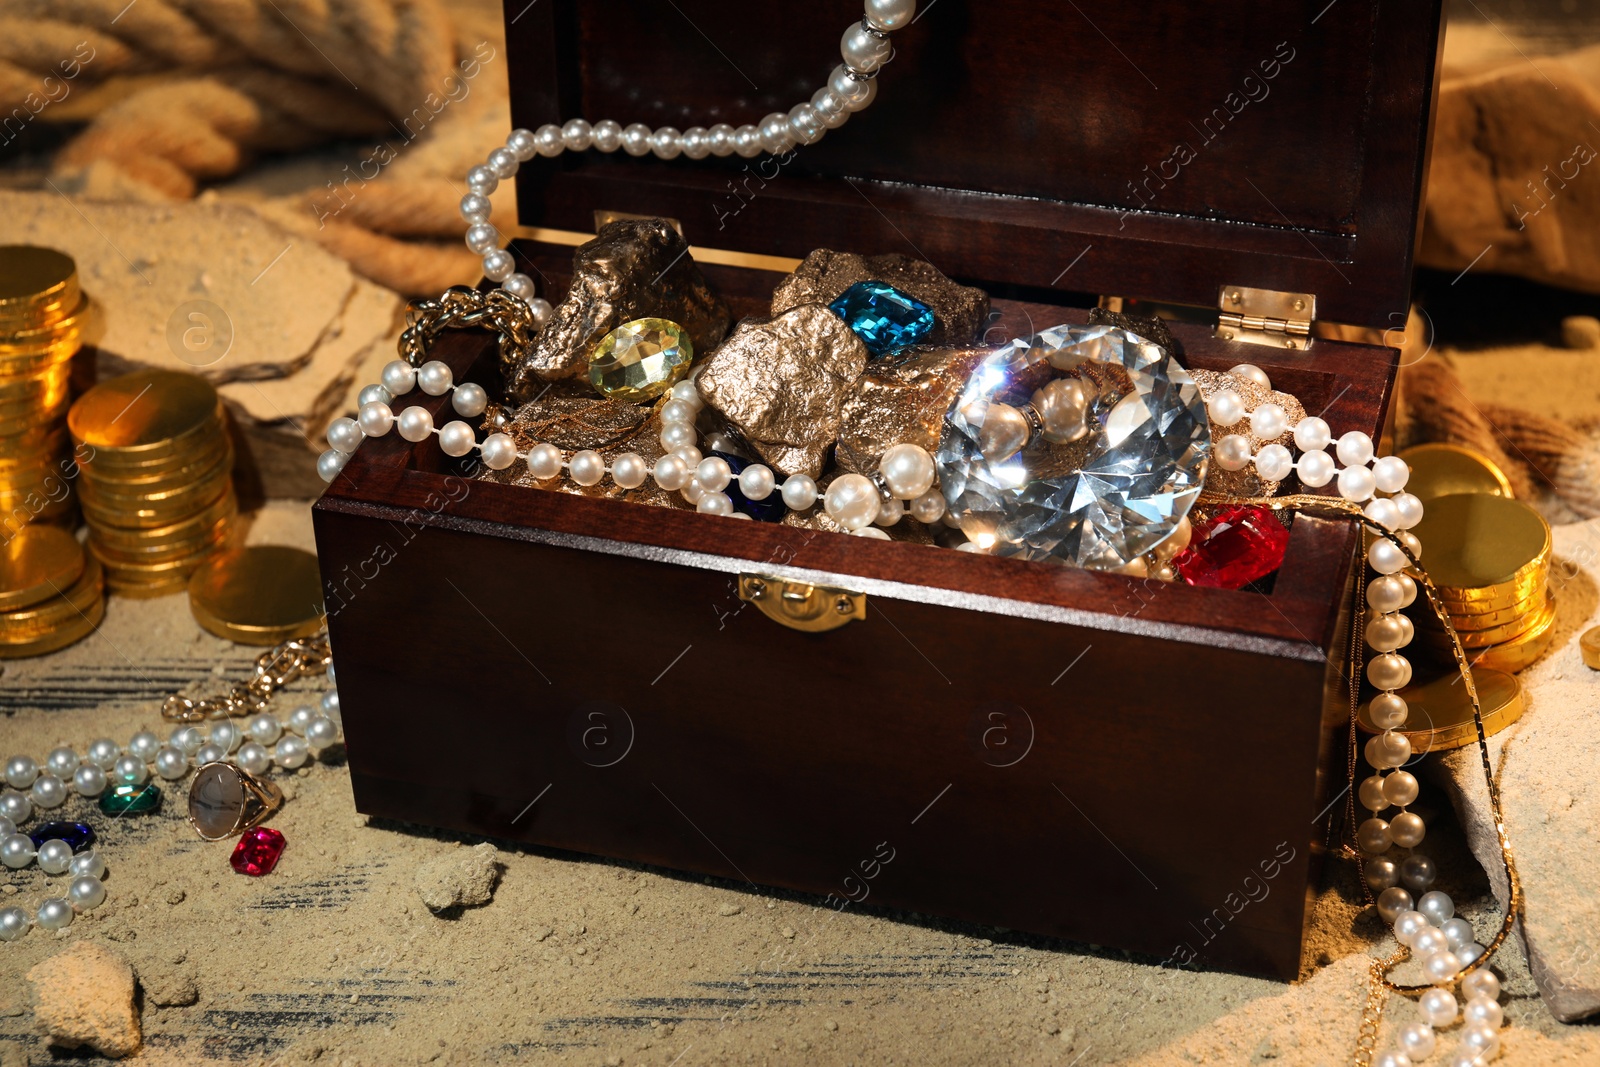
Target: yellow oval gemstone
<point>640,359</point>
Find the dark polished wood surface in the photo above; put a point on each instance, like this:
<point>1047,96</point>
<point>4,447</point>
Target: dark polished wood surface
<point>1028,144</point>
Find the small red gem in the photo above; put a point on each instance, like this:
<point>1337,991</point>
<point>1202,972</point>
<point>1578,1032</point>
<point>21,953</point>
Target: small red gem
<point>257,851</point>
<point>1234,548</point>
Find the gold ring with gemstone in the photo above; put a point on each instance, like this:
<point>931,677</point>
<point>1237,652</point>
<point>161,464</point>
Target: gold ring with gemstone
<point>225,800</point>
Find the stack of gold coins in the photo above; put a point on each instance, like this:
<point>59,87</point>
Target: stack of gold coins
<point>42,312</point>
<point>50,592</point>
<point>1489,558</point>
<point>157,478</point>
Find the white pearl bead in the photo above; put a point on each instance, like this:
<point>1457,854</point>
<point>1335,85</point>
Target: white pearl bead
<point>1481,1011</point>
<point>908,470</point>
<point>677,411</point>
<point>16,851</point>
<point>577,135</point>
<point>689,393</point>
<point>830,107</point>
<point>714,473</point>
<point>61,762</point>
<point>1408,925</point>
<point>775,135</point>
<point>1393,901</point>
<point>498,265</point>
<point>48,791</point>
<point>264,728</point>
<point>1354,449</point>
<point>503,162</point>
<point>671,473</point>
<point>666,143</point>
<point>1385,556</point>
<point>103,753</point>
<point>1418,873</point>
<point>1355,484</point>
<point>889,511</point>
<point>375,418</point>
<point>1381,874</point>
<point>1429,941</point>
<point>144,744</point>
<point>1316,469</point>
<point>188,739</point>
<point>519,285</point>
<point>1274,463</point>
<point>475,208</point>
<point>690,455</point>
<point>1400,789</point>
<point>1386,593</point>
<point>857,94</point>
<point>805,125</point>
<point>544,461</point>
<point>1233,452</point>
<point>55,855</point>
<point>1382,511</point>
<point>608,135</point>
<point>1392,1058</point>
<point>1481,983</point>
<point>21,771</point>
<point>1370,793</point>
<point>481,237</point>
<point>1437,906</point>
<point>890,15</point>
<point>15,807</point>
<point>864,50</point>
<point>628,471</point>
<point>415,424</point>
<point>482,180</point>
<point>171,763</point>
<point>1457,932</point>
<point>636,139</point>
<point>1269,422</point>
<point>291,752</point>
<point>7,827</point>
<point>714,503</point>
<point>852,501</point>
<point>1253,373</point>
<point>676,435</point>
<point>210,752</point>
<point>330,463</point>
<point>329,703</point>
<point>696,142</point>
<point>523,144</point>
<point>1388,749</point>
<point>1312,434</point>
<point>799,492</point>
<point>747,142</point>
<point>1389,671</point>
<point>720,139</point>
<point>1410,508</point>
<point>88,864</point>
<point>692,490</point>
<point>1409,539</point>
<point>929,507</point>
<point>86,892</point>
<point>1225,407</point>
<point>548,142</point>
<point>398,376</point>
<point>89,781</point>
<point>1441,968</point>
<point>434,377</point>
<point>1416,1040</point>
<point>1373,836</point>
<point>13,923</point>
<point>757,482</point>
<point>456,438</point>
<point>55,914</point>
<point>1438,1006</point>
<point>587,467</point>
<point>469,399</point>
<point>1391,474</point>
<point>498,450</point>
<point>541,311</point>
<point>321,733</point>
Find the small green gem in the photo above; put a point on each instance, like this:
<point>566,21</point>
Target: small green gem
<point>640,359</point>
<point>130,799</point>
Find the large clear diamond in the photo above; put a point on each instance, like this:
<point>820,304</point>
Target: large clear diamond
<point>1103,500</point>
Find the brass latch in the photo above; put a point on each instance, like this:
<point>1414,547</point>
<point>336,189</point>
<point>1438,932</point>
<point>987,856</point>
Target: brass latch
<point>801,606</point>
<point>1266,317</point>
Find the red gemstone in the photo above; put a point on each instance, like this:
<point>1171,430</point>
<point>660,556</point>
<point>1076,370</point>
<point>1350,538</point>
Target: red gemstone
<point>257,851</point>
<point>1235,547</point>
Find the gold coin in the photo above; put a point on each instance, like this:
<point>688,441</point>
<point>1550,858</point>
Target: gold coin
<point>152,514</point>
<point>1493,635</point>
<point>34,281</point>
<point>38,562</point>
<point>1440,469</point>
<point>1441,710</point>
<point>225,506</point>
<point>155,480</point>
<point>259,595</point>
<point>71,632</point>
<point>192,547</point>
<point>145,413</point>
<point>1516,596</point>
<point>1479,620</point>
<point>1479,543</point>
<point>1589,647</point>
<point>47,616</point>
<point>1520,651</point>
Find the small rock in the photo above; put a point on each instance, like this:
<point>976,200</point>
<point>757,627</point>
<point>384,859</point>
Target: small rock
<point>1580,331</point>
<point>788,932</point>
<point>729,909</point>
<point>84,997</point>
<point>464,879</point>
<point>168,987</point>
<point>175,896</point>
<point>831,1025</point>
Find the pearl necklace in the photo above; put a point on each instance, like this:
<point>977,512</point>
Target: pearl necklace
<point>308,729</point>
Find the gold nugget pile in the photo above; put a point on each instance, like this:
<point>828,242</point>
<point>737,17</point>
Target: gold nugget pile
<point>157,478</point>
<point>42,311</point>
<point>51,593</point>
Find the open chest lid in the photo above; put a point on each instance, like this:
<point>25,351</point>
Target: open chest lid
<point>1154,151</point>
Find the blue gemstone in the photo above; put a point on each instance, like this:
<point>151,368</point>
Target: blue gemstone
<point>885,318</point>
<point>77,834</point>
<point>768,510</point>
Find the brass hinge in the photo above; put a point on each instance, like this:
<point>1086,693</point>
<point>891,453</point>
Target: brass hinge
<point>800,605</point>
<point>1266,317</point>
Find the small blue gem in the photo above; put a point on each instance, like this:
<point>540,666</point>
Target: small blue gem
<point>885,318</point>
<point>768,510</point>
<point>77,834</point>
